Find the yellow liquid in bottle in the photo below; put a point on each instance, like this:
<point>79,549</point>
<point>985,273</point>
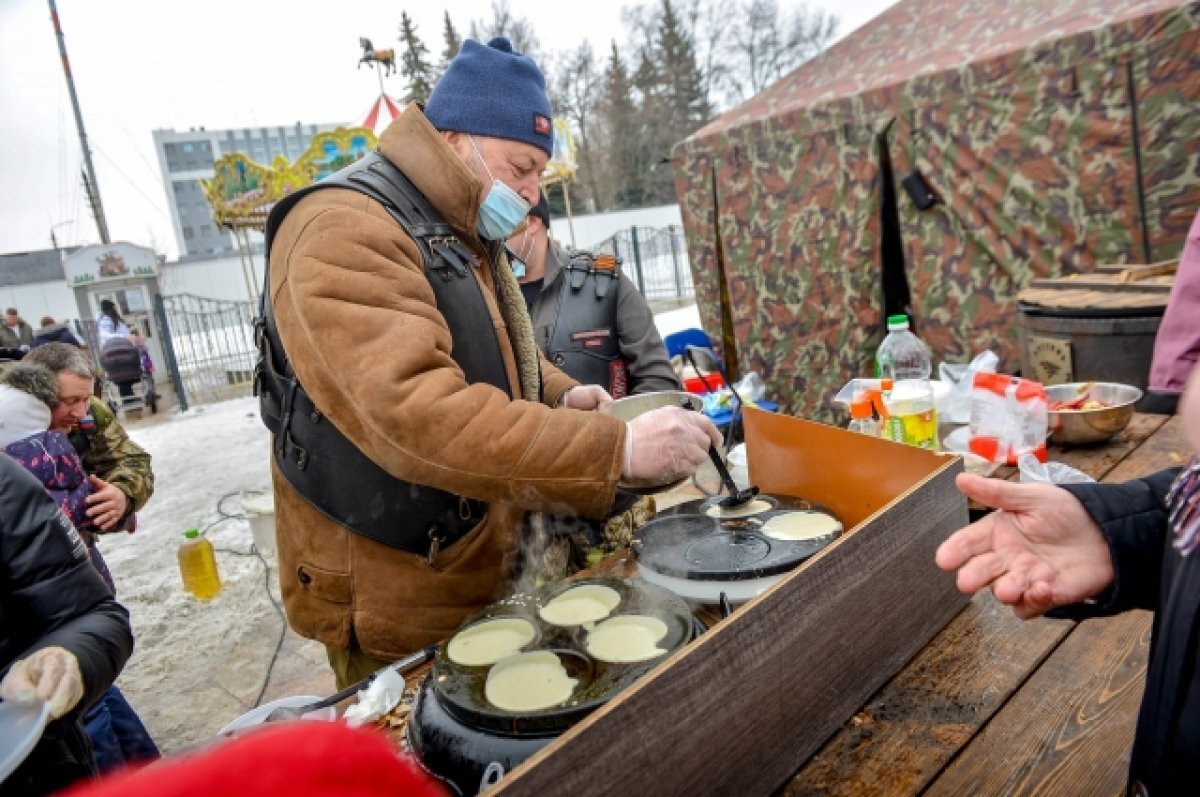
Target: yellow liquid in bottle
<point>918,429</point>
<point>912,419</point>
<point>198,567</point>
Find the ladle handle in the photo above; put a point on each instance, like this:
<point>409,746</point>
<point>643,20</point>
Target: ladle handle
<point>713,454</point>
<point>719,464</point>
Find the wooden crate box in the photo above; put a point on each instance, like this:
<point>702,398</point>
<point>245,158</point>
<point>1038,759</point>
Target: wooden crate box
<point>739,710</point>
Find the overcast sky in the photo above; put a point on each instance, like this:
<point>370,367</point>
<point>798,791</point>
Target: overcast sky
<point>141,65</point>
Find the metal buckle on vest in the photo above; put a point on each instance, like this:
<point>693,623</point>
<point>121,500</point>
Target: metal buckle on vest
<point>435,543</point>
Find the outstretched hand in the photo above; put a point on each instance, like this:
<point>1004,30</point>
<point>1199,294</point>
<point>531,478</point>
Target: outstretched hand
<point>1038,550</point>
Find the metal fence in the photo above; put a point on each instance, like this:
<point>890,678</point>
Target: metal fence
<point>211,343</point>
<point>655,259</point>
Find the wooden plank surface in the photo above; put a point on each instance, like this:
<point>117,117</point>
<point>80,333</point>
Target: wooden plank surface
<point>1068,730</point>
<point>739,710</point>
<point>918,722</point>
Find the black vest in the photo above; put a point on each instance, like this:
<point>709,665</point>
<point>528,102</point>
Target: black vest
<point>317,460</point>
<point>583,338</point>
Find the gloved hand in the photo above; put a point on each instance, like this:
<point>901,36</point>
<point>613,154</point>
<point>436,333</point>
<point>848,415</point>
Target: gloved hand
<point>50,674</point>
<point>586,397</point>
<point>666,443</point>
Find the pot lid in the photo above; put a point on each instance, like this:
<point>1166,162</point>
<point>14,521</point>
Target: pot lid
<point>695,546</point>
<point>460,688</point>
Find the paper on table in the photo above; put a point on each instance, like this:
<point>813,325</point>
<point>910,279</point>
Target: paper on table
<point>377,699</point>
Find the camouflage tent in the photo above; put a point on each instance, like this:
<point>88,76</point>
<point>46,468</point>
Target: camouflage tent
<point>1055,136</point>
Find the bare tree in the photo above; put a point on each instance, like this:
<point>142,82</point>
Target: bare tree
<point>575,95</point>
<point>765,45</point>
<point>518,30</point>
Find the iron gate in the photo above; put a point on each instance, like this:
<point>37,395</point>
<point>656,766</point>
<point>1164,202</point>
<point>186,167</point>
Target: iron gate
<point>211,344</point>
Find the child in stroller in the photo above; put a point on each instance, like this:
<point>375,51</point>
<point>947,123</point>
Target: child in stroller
<point>124,364</point>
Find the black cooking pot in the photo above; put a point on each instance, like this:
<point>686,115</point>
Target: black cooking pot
<point>460,737</point>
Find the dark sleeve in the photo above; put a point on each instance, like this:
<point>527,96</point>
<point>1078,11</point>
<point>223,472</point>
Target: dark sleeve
<point>1133,519</point>
<point>52,594</point>
<point>641,346</point>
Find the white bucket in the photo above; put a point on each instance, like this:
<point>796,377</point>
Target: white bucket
<point>260,511</point>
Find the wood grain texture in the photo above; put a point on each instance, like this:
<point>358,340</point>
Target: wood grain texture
<point>917,722</point>
<point>1067,731</point>
<point>738,711</point>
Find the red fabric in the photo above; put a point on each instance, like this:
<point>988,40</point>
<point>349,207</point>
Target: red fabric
<point>296,759</point>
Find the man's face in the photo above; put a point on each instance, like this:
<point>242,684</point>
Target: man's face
<point>527,240</point>
<point>73,394</point>
<point>514,163</point>
<point>11,319</point>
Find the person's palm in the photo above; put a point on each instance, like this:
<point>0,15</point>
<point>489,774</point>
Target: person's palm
<point>1040,549</point>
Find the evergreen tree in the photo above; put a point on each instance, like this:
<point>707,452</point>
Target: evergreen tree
<point>680,80</point>
<point>451,43</point>
<point>414,63</point>
<point>624,136</point>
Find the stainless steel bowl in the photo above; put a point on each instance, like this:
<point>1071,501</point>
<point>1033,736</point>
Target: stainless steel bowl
<point>1079,427</point>
<point>631,407</point>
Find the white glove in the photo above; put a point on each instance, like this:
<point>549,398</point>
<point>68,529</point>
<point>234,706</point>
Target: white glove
<point>50,674</point>
<point>667,443</point>
<point>586,397</point>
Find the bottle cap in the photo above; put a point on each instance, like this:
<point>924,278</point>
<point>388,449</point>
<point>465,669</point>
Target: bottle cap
<point>861,407</point>
<point>897,322</point>
<point>192,534</point>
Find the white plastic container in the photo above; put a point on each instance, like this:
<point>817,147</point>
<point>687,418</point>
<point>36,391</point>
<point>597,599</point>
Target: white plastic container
<point>737,466</point>
<point>260,511</point>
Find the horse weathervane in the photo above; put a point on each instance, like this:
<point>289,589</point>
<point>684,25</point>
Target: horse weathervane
<point>384,58</point>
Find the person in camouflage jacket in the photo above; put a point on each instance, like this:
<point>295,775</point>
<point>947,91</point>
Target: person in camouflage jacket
<point>119,467</point>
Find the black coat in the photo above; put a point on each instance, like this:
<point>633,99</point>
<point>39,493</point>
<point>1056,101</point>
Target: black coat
<point>51,595</point>
<point>1150,574</point>
<point>54,333</point>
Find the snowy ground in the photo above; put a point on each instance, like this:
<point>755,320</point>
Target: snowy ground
<point>198,665</point>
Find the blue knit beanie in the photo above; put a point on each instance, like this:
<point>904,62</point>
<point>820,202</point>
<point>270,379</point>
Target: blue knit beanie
<point>492,91</point>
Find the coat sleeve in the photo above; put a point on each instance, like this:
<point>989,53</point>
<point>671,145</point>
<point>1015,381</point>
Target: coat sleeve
<point>1133,519</point>
<point>52,594</point>
<point>361,327</point>
<point>116,459</point>
<point>641,346</point>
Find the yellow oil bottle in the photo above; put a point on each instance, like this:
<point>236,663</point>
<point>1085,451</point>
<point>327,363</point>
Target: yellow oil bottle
<point>198,566</point>
<point>911,417</point>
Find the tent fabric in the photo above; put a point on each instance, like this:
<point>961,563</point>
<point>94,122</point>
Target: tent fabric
<point>1020,117</point>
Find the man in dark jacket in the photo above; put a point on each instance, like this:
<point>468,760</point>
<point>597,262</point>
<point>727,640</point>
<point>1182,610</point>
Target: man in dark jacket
<point>588,318</point>
<point>52,331</point>
<point>1119,547</point>
<point>15,332</point>
<point>63,639</point>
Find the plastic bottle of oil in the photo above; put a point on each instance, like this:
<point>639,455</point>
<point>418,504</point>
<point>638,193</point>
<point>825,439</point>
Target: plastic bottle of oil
<point>198,566</point>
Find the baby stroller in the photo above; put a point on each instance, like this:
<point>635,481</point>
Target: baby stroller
<point>122,364</point>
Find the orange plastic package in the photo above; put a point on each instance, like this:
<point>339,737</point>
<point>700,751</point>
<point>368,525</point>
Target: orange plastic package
<point>1009,417</point>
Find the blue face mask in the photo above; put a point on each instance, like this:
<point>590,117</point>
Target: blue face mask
<point>503,209</point>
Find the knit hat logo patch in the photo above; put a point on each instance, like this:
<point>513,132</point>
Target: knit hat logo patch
<point>541,125</point>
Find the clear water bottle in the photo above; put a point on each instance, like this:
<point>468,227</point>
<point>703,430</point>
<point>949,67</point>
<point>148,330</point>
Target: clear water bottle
<point>198,566</point>
<point>902,355</point>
